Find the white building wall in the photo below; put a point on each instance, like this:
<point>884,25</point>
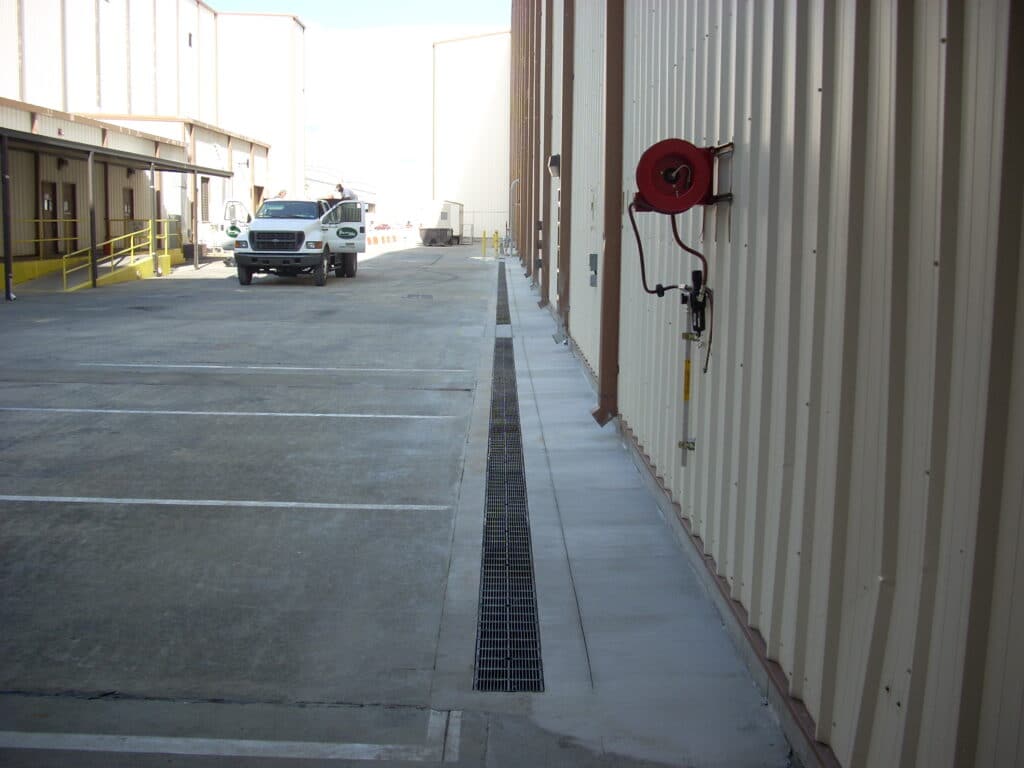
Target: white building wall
<point>167,48</point>
<point>188,58</point>
<point>471,128</point>
<point>142,37</point>
<point>208,75</point>
<point>81,68</point>
<point>10,50</point>
<point>41,52</point>
<point>272,106</point>
<point>114,56</point>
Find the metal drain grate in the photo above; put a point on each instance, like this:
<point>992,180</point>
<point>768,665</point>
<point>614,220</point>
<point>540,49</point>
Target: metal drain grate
<point>502,316</point>
<point>508,636</point>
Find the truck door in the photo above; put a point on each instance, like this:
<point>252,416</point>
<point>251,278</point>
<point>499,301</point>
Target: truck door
<point>351,228</point>
<point>329,227</point>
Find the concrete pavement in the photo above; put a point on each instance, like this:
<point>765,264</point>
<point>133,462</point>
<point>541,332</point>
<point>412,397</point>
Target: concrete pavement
<point>243,526</point>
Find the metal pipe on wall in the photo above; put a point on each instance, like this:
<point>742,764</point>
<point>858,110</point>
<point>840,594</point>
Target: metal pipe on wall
<point>5,173</point>
<point>608,368</point>
<point>546,180</point>
<point>537,179</point>
<point>90,181</point>
<point>565,171</point>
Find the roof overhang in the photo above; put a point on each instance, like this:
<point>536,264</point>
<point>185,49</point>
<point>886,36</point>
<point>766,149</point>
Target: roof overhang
<point>64,148</point>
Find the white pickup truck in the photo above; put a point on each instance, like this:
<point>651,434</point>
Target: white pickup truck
<point>291,237</point>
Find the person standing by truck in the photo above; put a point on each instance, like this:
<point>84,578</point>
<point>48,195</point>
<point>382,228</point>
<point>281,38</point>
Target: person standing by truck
<point>345,194</point>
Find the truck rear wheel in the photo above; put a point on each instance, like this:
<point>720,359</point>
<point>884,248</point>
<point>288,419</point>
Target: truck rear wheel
<point>320,270</point>
<point>351,264</point>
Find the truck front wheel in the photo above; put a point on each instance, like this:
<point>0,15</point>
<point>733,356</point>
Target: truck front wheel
<point>320,270</point>
<point>245,275</point>
<point>351,264</point>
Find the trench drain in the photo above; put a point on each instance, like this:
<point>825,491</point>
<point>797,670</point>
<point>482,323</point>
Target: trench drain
<point>508,657</point>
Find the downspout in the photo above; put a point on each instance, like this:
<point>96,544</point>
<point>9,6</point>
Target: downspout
<point>5,172</point>
<point>90,176</point>
<point>546,180</point>
<point>153,225</point>
<point>608,367</point>
<point>512,215</point>
<point>565,175</point>
<point>516,110</point>
<point>535,144</point>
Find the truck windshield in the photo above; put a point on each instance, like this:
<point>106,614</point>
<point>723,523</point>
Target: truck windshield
<point>288,209</point>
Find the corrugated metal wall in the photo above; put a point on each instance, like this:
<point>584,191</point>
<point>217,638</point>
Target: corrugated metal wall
<point>587,180</point>
<point>552,214</point>
<point>856,477</point>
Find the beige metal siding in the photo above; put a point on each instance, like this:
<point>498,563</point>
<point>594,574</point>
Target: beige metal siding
<point>588,179</point>
<point>1002,709</point>
<point>17,119</point>
<point>856,479</point>
<point>23,207</point>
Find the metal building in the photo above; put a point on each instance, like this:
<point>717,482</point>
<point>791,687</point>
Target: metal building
<point>471,140</point>
<point>850,468</point>
<point>180,78</point>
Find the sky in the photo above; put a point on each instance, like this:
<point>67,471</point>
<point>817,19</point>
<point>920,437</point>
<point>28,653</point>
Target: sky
<point>352,14</point>
<point>381,140</point>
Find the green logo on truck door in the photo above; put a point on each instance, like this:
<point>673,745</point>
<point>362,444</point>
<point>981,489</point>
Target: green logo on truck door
<point>347,232</point>
<point>233,231</point>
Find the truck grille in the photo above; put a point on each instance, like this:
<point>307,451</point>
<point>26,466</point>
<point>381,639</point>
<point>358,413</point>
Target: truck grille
<point>276,241</point>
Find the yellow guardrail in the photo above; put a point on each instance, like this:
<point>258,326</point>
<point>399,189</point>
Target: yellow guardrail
<point>157,238</point>
<point>123,250</point>
<point>58,226</point>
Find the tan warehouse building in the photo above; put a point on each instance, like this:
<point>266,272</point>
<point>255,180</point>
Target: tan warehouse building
<point>134,127</point>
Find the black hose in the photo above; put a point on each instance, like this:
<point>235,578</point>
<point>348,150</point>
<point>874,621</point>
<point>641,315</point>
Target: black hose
<point>658,290</point>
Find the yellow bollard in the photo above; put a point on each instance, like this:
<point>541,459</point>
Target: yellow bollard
<point>495,241</point>
<point>483,240</point>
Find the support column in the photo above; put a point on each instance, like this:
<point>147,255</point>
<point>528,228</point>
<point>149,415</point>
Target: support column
<point>608,369</point>
<point>5,193</point>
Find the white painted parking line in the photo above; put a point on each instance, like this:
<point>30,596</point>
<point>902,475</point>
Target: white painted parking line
<point>439,738</point>
<point>282,368</point>
<point>222,503</point>
<point>453,737</point>
<point>261,414</point>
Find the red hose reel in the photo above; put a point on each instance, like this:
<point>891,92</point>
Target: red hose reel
<point>674,175</point>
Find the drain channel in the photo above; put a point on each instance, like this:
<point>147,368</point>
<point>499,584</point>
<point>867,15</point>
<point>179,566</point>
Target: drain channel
<point>502,316</point>
<point>508,655</point>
